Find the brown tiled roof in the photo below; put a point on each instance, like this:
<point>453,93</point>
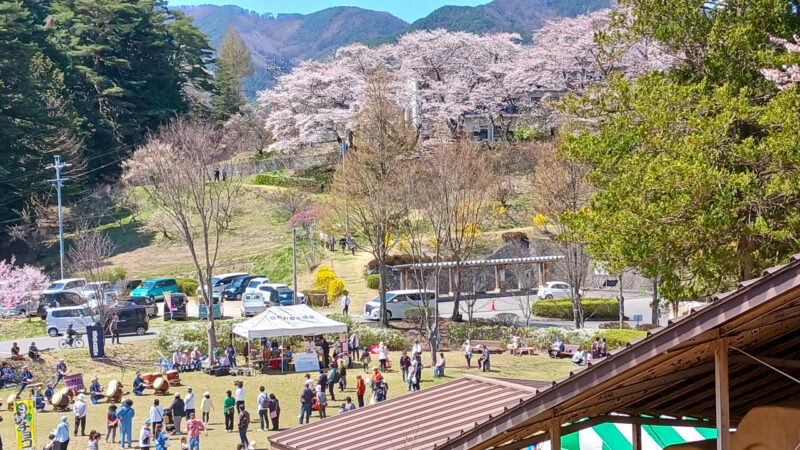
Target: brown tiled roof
<point>671,371</point>
<point>415,421</point>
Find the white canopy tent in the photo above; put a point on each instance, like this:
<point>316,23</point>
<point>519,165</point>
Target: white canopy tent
<point>295,320</point>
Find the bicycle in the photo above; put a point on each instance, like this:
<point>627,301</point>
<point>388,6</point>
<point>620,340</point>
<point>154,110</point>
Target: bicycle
<point>77,341</point>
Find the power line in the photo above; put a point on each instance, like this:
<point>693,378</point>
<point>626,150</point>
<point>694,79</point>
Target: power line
<point>27,175</point>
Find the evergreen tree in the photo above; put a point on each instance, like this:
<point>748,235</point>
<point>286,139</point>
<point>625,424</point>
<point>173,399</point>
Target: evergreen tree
<point>234,63</point>
<point>698,168</point>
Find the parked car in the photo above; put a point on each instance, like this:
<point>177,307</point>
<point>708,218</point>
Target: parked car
<point>66,285</point>
<point>122,288</point>
<point>145,302</point>
<point>58,319</point>
<point>235,290</point>
<point>132,320</point>
<point>555,289</point>
<point>91,290</point>
<point>155,288</point>
<point>253,304</point>
<point>58,300</point>
<point>253,285</point>
<point>280,294</point>
<point>219,283</point>
<point>397,302</point>
<point>179,302</point>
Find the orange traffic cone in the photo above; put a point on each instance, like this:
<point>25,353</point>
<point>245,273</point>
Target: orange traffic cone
<point>492,307</point>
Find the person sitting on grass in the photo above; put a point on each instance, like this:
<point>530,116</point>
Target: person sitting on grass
<point>138,384</point>
<point>48,393</point>
<point>96,391</point>
<point>8,377</point>
<point>579,358</point>
<point>33,352</point>
<point>15,352</point>
<point>38,400</point>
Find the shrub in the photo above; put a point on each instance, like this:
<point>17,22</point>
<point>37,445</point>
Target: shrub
<point>506,319</point>
<point>613,326</point>
<point>561,308</point>
<point>619,338</point>
<point>273,179</point>
<point>191,334</point>
<point>395,260</point>
<point>512,236</point>
<point>335,289</point>
<point>187,286</point>
<point>374,281</point>
<point>344,318</point>
<point>323,278</point>
<point>372,336</point>
<point>457,333</point>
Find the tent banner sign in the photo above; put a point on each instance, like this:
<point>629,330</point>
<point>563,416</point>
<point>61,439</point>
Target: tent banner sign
<point>24,424</point>
<point>305,362</point>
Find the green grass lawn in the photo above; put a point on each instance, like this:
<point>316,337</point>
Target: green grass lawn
<point>125,359</point>
<point>21,328</point>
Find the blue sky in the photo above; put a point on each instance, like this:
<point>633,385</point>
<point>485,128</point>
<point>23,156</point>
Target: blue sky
<point>408,10</point>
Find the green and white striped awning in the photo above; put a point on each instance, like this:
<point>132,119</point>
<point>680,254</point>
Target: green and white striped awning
<point>618,436</point>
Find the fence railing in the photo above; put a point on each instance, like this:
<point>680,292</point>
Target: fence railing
<point>294,162</point>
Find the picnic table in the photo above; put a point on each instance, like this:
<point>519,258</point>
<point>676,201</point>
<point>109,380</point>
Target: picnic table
<point>569,351</point>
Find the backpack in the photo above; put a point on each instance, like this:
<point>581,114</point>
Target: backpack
<point>265,402</point>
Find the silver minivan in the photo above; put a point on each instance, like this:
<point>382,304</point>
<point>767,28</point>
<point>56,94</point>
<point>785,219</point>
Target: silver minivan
<point>58,319</point>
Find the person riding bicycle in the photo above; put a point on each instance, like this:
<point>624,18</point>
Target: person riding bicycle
<point>70,335</point>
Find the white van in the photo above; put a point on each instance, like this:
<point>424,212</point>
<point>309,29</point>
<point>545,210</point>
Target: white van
<point>253,304</point>
<point>66,285</point>
<point>253,285</point>
<point>58,319</point>
<point>397,302</point>
<point>91,290</point>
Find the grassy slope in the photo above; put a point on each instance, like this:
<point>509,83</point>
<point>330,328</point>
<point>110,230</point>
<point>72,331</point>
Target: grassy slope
<point>126,358</point>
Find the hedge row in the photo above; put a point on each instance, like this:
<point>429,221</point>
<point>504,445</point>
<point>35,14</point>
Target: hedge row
<point>593,308</point>
<point>541,338</point>
<point>269,179</point>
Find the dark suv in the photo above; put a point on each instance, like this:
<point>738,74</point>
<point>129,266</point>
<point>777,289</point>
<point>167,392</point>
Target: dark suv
<point>235,290</point>
<point>132,320</point>
<point>57,300</point>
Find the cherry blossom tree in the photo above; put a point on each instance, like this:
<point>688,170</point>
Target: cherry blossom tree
<point>17,283</point>
<point>788,75</point>
<point>443,78</point>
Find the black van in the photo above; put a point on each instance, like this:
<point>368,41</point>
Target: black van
<point>179,302</point>
<point>133,320</point>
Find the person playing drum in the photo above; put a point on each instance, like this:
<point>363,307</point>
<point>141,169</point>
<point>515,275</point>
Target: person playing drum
<point>96,391</point>
<point>138,384</point>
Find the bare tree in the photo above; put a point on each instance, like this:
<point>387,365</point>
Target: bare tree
<point>559,190</point>
<point>290,201</point>
<point>88,255</point>
<point>179,168</point>
<point>367,197</point>
<point>457,202</point>
<point>526,279</point>
<point>245,131</point>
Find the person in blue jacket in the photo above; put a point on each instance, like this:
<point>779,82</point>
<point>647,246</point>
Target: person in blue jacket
<point>125,416</point>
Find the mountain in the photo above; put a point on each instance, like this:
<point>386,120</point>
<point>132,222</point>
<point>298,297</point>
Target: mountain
<point>515,16</point>
<point>280,40</point>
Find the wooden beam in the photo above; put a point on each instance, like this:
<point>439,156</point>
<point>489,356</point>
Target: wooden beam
<point>637,436</point>
<point>721,383</point>
<point>555,434</point>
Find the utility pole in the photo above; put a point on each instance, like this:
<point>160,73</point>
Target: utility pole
<point>58,182</point>
<point>343,152</point>
<point>294,262</point>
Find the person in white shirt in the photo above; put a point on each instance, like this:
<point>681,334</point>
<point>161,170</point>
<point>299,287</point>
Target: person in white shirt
<point>309,346</point>
<point>467,352</point>
<point>355,344</point>
<point>263,408</point>
<point>239,396</point>
<point>156,413</point>
<point>144,435</point>
<point>189,401</point>
<point>417,348</point>
<point>79,409</point>
<point>345,303</point>
<point>383,355</point>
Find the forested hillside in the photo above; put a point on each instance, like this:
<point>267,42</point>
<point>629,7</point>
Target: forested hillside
<point>86,80</point>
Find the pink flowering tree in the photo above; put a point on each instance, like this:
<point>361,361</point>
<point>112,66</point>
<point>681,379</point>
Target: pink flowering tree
<point>17,283</point>
<point>304,220</point>
<point>787,75</point>
<point>442,79</point>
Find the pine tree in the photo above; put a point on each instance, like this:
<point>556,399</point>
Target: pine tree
<point>234,63</point>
